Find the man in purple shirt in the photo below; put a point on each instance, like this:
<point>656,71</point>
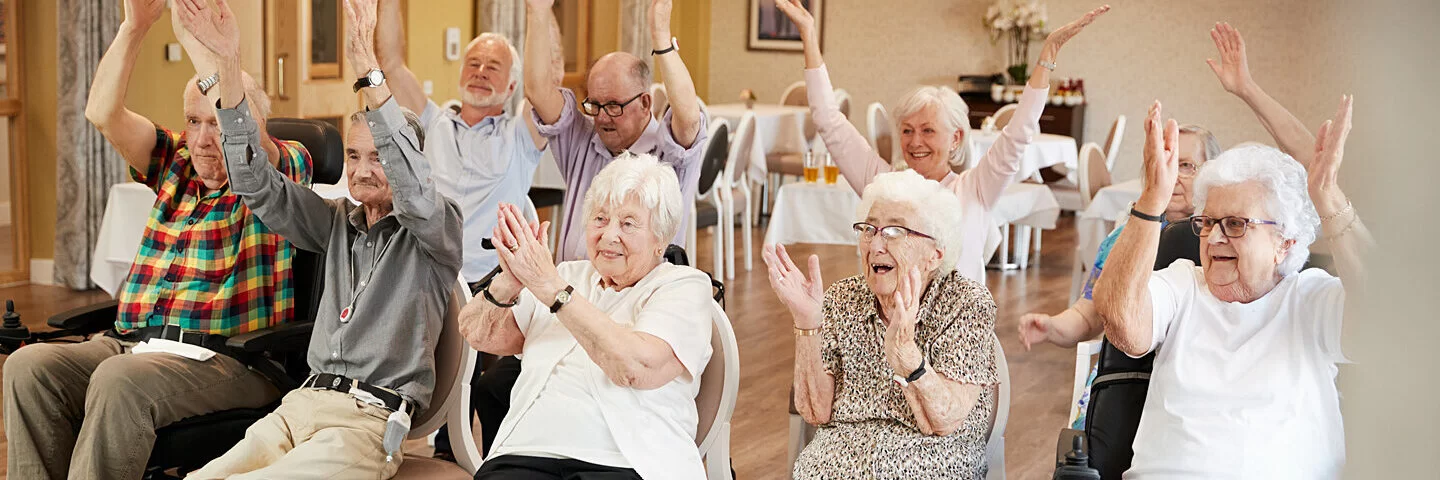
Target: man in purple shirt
<point>616,116</point>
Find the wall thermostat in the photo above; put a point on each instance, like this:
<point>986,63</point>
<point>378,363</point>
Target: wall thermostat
<point>452,43</point>
<point>172,52</point>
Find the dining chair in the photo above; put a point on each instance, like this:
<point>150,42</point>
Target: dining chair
<point>1004,114</point>
<point>1112,142</point>
<point>1093,176</point>
<point>882,133</point>
<point>736,179</point>
<point>842,100</point>
<point>659,100</point>
<point>795,95</point>
<point>717,154</point>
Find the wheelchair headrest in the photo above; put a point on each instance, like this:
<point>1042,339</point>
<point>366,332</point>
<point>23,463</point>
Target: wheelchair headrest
<point>1177,241</point>
<point>321,139</point>
<point>675,254</point>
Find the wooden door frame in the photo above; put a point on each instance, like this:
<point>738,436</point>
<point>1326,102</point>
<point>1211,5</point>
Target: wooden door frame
<point>13,107</point>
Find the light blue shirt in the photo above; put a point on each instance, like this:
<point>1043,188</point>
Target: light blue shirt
<point>478,166</point>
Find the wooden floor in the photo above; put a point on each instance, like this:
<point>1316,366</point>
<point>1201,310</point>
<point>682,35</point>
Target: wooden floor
<point>1041,379</point>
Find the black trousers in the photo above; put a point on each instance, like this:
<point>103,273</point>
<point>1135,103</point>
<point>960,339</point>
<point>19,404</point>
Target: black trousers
<point>507,467</point>
<point>490,399</point>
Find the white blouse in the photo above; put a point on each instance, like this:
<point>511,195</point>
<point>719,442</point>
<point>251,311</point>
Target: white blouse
<point>1242,390</point>
<point>564,406</point>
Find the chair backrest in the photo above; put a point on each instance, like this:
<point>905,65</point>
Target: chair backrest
<point>659,100</point>
<point>1177,241</point>
<point>738,158</point>
<point>795,95</point>
<point>842,100</point>
<point>882,131</point>
<point>1093,174</point>
<point>719,384</point>
<point>1002,116</point>
<point>324,142</point>
<point>995,447</point>
<point>454,365</point>
<point>1112,142</point>
<point>717,152</point>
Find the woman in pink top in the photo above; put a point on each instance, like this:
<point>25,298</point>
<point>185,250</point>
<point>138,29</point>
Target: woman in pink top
<point>932,124</point>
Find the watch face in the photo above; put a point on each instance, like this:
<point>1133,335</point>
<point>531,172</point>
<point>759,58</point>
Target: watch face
<point>376,77</point>
<point>563,297</point>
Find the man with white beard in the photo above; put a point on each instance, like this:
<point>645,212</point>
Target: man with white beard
<point>481,156</point>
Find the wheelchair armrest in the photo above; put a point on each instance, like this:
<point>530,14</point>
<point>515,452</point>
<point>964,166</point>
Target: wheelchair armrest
<point>1066,443</point>
<point>87,319</point>
<point>286,337</point>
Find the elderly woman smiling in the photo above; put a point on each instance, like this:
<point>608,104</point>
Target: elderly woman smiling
<point>613,347</point>
<point>933,123</point>
<point>1244,379</point>
<point>898,364</point>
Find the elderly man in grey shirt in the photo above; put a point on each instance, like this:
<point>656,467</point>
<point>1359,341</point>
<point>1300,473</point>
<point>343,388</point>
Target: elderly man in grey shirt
<point>372,352</point>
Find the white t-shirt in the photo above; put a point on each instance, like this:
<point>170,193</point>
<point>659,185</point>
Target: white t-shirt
<point>564,406</point>
<point>1243,391</point>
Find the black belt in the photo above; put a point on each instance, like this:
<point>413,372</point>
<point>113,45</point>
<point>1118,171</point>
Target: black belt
<point>212,341</point>
<point>338,383</point>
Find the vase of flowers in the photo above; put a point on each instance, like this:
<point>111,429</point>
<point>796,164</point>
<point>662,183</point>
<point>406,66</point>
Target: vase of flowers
<point>748,97</point>
<point>1020,24</point>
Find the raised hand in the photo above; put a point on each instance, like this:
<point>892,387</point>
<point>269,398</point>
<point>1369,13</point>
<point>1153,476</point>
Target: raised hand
<point>1325,168</point>
<point>798,14</point>
<point>1056,40</point>
<point>1233,70</point>
<point>802,296</point>
<point>1034,328</point>
<point>660,23</point>
<point>901,352</point>
<point>360,40</point>
<point>214,27</point>
<point>143,13</point>
<point>1162,161</point>
<point>523,254</point>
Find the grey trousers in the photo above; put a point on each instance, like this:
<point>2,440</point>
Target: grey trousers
<point>89,410</point>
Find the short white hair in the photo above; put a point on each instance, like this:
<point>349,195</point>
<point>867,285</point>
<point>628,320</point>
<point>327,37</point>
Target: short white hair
<point>642,175</point>
<point>1287,198</point>
<point>516,60</point>
<point>937,208</point>
<point>950,110</point>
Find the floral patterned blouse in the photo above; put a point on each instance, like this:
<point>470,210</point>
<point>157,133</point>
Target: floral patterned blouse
<point>872,432</point>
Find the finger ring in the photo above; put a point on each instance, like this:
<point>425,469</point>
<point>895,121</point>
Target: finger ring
<point>513,248</point>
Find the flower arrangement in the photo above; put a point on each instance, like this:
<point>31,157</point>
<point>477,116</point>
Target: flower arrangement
<point>748,97</point>
<point>1021,24</point>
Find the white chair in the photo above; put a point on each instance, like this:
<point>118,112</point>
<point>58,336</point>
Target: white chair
<point>1003,115</point>
<point>843,101</point>
<point>719,385</point>
<point>712,166</point>
<point>795,94</point>
<point>455,364</point>
<point>1084,357</point>
<point>659,100</point>
<point>1093,176</point>
<point>882,134</point>
<point>1112,142</point>
<point>995,447</point>
<point>737,179</point>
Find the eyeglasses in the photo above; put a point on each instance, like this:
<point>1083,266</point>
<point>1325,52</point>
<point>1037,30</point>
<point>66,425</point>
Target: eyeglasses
<point>890,233</point>
<point>1188,169</point>
<point>1232,227</point>
<point>593,108</point>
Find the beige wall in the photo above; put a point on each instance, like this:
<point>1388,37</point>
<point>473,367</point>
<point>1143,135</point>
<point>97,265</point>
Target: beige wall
<point>1140,51</point>
<point>425,24</point>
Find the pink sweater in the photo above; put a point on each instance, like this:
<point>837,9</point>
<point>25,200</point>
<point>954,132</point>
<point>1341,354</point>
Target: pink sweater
<point>979,188</point>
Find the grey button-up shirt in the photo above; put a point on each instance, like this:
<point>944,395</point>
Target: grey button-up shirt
<point>413,255</point>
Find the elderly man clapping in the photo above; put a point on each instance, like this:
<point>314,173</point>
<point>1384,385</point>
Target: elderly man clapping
<point>1244,380</point>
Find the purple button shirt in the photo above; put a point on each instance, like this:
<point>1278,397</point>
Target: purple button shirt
<point>581,155</point>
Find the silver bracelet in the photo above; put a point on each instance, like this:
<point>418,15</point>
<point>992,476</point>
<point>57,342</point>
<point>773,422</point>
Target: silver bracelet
<point>1048,65</point>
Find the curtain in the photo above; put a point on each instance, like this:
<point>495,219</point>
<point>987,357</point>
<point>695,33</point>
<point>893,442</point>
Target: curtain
<point>635,29</point>
<point>86,166</point>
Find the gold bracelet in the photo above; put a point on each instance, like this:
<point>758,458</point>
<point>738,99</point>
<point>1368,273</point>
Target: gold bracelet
<point>1348,207</point>
<point>1348,228</point>
<point>806,332</point>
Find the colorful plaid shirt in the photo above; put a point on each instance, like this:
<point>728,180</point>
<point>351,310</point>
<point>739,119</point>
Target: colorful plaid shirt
<point>206,262</point>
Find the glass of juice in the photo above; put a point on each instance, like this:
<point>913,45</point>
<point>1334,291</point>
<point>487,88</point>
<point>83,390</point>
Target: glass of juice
<point>812,168</point>
<point>832,172</point>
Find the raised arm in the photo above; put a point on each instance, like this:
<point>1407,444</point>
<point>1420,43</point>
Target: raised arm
<point>287,208</point>
<point>1339,223</point>
<point>1233,71</point>
<point>1122,296</point>
<point>814,383</point>
<point>999,166</point>
<point>684,103</point>
<point>130,133</point>
<point>858,163</point>
<point>543,94</point>
<point>390,51</point>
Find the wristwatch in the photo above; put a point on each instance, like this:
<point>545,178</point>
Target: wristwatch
<point>561,299</point>
<point>372,78</point>
<point>1145,216</point>
<point>208,83</point>
<point>915,375</point>
<point>674,45</point>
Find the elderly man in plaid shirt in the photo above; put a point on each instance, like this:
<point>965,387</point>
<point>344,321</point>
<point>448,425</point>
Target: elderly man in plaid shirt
<point>207,266</point>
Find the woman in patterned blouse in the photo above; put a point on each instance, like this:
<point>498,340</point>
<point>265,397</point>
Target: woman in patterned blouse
<point>896,365</point>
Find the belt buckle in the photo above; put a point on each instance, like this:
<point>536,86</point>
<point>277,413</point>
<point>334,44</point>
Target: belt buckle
<point>335,384</point>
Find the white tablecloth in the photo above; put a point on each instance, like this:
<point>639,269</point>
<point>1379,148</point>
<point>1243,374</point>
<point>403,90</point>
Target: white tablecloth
<point>1097,220</point>
<point>813,213</point>
<point>1046,150</point>
<point>123,225</point>
<point>1028,204</point>
<point>778,129</point>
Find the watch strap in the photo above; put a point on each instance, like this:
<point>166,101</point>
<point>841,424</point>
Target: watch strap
<point>1145,216</point>
<point>674,45</point>
<point>919,372</point>
<point>555,307</point>
<point>491,298</point>
<point>207,83</point>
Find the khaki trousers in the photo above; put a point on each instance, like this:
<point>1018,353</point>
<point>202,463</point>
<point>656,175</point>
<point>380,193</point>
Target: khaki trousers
<point>314,434</point>
<point>89,410</point>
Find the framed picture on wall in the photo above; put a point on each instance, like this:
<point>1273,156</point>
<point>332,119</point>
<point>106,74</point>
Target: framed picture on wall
<point>770,29</point>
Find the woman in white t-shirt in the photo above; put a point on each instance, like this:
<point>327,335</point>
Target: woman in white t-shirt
<point>1244,379</point>
<point>612,348</point>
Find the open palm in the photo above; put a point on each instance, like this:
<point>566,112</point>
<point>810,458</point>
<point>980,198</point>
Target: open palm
<point>214,27</point>
<point>1330,149</point>
<point>1233,69</point>
<point>797,13</point>
<point>801,295</point>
